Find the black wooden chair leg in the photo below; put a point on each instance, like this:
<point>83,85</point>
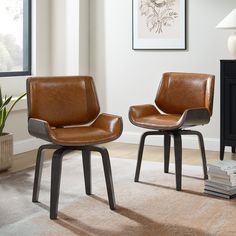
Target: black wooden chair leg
<point>233,149</point>
<point>86,156</point>
<point>222,151</point>
<point>140,156</point>
<point>178,160</point>
<point>167,140</point>
<point>38,169</point>
<point>202,147</point>
<point>55,181</point>
<point>38,174</point>
<point>108,178</point>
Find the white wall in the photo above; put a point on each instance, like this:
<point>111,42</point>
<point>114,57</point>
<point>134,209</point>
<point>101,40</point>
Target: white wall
<point>125,77</point>
<point>84,40</point>
<point>41,37</point>
<point>69,37</point>
<point>65,37</point>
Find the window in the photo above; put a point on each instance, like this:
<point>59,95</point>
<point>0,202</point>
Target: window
<point>15,37</point>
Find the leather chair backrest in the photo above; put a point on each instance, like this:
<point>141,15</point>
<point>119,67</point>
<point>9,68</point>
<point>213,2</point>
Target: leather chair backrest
<point>181,91</point>
<point>62,100</point>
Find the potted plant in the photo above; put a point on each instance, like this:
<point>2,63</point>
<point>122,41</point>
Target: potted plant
<point>6,139</point>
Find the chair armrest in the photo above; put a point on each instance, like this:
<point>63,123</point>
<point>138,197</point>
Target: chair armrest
<point>139,111</point>
<point>195,116</point>
<point>39,128</point>
<point>109,123</point>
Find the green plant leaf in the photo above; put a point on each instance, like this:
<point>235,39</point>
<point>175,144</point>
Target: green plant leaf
<point>3,118</point>
<point>4,113</point>
<point>1,101</point>
<point>7,100</point>
<point>13,104</point>
<point>1,110</point>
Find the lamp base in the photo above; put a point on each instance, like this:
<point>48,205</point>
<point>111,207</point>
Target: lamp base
<point>232,45</point>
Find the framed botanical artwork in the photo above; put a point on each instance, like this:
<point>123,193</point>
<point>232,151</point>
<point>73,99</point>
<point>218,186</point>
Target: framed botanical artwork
<point>159,24</point>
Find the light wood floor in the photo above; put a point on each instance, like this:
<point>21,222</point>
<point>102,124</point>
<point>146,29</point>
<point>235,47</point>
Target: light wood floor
<point>123,150</point>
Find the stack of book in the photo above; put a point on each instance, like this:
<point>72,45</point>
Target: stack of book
<point>221,179</point>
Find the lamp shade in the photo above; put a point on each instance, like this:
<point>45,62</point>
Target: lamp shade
<point>229,22</point>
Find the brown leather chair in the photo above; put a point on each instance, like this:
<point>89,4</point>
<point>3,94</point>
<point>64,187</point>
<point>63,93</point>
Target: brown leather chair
<point>65,112</point>
<point>183,100</point>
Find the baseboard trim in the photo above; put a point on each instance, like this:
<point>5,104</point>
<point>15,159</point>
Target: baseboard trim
<point>27,145</point>
<point>189,142</point>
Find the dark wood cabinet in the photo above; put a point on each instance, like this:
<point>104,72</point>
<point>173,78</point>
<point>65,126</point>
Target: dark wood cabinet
<point>227,105</point>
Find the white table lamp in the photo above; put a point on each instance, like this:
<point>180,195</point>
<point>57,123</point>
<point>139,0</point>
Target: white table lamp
<point>229,22</point>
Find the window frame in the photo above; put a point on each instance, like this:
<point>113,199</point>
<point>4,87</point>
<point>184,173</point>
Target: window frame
<point>27,42</point>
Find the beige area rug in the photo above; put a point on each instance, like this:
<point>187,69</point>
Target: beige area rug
<point>151,207</point>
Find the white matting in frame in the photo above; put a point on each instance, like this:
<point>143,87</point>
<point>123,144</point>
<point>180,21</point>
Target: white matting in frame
<point>159,24</point>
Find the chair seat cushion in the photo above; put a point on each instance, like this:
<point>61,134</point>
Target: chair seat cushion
<point>81,135</point>
<point>158,121</point>
<point>147,116</point>
<point>104,129</point>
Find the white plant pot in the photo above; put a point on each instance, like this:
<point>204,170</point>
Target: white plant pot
<point>6,151</point>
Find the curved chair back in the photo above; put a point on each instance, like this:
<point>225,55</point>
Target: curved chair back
<point>181,91</point>
<point>62,100</point>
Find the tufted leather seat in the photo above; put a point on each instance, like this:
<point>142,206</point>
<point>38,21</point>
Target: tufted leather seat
<point>183,100</point>
<point>64,111</point>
